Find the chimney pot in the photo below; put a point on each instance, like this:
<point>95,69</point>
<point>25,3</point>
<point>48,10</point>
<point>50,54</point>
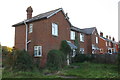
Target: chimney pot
<point>29,12</point>
<point>113,39</point>
<point>101,34</point>
<point>107,36</point>
<point>110,37</point>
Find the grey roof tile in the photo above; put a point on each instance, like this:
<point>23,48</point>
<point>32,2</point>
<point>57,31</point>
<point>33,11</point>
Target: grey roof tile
<point>38,17</point>
<point>85,30</point>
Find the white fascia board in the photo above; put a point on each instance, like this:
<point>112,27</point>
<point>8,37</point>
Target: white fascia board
<point>93,31</point>
<point>54,13</point>
<point>102,38</point>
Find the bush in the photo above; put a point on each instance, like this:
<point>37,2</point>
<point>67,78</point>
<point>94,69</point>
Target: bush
<point>23,61</point>
<point>65,48</point>
<point>83,57</point>
<point>55,59</point>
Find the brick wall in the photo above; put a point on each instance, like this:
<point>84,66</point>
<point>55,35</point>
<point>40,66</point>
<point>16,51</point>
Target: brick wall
<point>42,35</point>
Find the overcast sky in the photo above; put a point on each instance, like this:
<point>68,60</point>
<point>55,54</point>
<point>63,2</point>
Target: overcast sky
<point>102,14</point>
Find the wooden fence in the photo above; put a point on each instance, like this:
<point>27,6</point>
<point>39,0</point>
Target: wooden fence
<point>105,58</point>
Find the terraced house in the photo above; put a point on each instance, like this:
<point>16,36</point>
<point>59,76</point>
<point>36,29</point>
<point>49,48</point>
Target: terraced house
<point>41,33</point>
<point>107,44</point>
<point>88,39</point>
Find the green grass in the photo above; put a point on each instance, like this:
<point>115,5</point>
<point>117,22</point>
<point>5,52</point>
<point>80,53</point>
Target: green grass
<point>92,70</point>
<point>81,70</point>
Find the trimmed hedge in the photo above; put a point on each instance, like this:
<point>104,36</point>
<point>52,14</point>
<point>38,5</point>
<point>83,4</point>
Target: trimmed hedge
<point>55,59</point>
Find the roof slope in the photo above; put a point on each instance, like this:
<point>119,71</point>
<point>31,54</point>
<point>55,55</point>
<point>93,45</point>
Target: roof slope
<point>88,30</point>
<point>40,16</point>
<point>85,30</point>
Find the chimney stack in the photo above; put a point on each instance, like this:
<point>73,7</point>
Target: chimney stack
<point>110,37</point>
<point>101,34</point>
<point>113,39</point>
<point>29,12</point>
<point>107,36</point>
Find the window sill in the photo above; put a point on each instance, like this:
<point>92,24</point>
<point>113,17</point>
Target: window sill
<point>37,56</point>
<point>55,35</point>
<point>82,41</point>
<point>72,39</point>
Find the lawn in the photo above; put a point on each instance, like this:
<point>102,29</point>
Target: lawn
<point>80,70</point>
<point>91,70</point>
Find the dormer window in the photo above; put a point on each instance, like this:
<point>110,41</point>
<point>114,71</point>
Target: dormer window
<point>54,29</point>
<point>30,28</point>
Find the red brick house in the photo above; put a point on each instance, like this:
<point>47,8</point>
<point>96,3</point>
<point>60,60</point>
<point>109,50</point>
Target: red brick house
<point>102,44</point>
<point>41,33</point>
<point>88,39</point>
<point>107,45</point>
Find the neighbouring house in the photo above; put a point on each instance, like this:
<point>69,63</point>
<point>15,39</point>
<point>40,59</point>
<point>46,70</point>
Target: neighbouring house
<point>41,33</point>
<point>111,45</point>
<point>88,39</point>
<point>102,44</point>
<point>107,45</point>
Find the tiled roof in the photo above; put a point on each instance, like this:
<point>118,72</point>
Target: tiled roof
<point>85,30</point>
<point>88,30</point>
<point>40,16</point>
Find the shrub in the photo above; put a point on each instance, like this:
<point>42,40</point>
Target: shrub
<point>23,61</point>
<point>65,48</point>
<point>55,59</point>
<point>79,58</point>
<point>8,61</point>
<point>83,57</point>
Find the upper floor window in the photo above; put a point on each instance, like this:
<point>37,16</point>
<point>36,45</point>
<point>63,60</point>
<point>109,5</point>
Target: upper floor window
<point>72,35</point>
<point>81,37</point>
<point>97,40</point>
<point>109,43</point>
<point>54,29</point>
<point>30,28</point>
<point>37,51</point>
<point>106,43</point>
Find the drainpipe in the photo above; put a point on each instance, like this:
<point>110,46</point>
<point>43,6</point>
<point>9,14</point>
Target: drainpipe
<point>26,35</point>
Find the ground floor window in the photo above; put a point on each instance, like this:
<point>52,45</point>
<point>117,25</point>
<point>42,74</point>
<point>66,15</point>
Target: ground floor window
<point>37,51</point>
<point>82,50</point>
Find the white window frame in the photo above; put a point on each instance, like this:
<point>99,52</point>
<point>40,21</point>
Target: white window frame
<point>54,29</point>
<point>36,51</point>
<point>30,28</point>
<point>81,37</point>
<point>109,43</point>
<point>96,40</point>
<point>82,50</point>
<point>72,35</point>
<point>106,43</point>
